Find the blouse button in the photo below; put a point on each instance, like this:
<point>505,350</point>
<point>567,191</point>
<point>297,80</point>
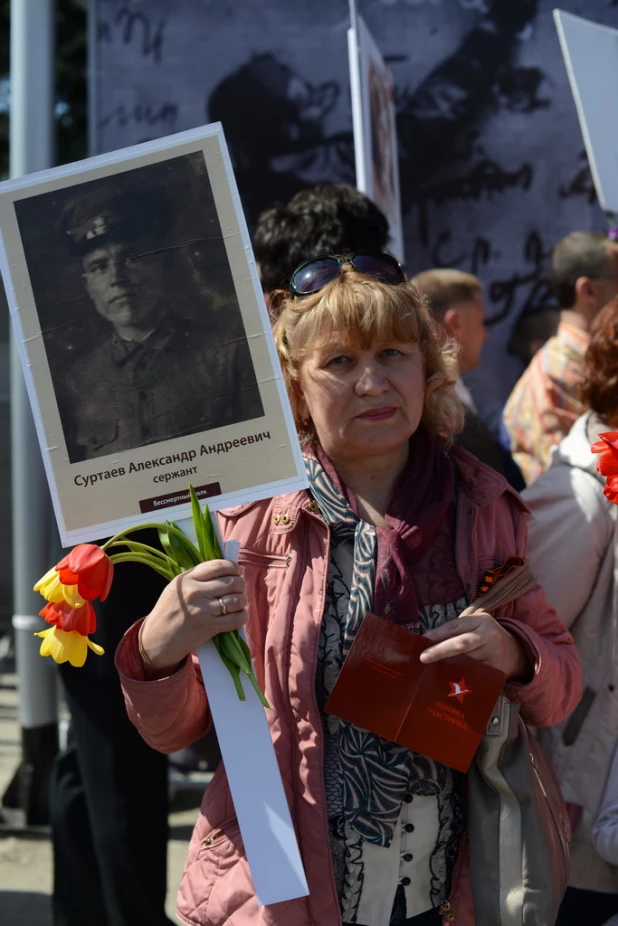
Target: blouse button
<point>408,798</point>
<point>406,881</point>
<point>408,857</point>
<point>409,827</point>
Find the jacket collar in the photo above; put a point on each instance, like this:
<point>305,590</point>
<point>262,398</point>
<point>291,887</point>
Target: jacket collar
<point>481,484</point>
<point>284,510</point>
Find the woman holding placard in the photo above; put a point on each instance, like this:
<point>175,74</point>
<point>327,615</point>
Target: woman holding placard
<point>398,522</point>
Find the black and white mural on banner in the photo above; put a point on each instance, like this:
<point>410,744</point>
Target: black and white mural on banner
<point>492,164</point>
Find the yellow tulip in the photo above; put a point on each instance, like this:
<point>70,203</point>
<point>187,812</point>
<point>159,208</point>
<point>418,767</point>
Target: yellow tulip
<point>52,589</point>
<point>67,646</point>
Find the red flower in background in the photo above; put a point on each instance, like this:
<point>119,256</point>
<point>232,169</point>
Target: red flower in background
<point>88,567</point>
<point>611,489</point>
<point>62,615</point>
<point>607,464</point>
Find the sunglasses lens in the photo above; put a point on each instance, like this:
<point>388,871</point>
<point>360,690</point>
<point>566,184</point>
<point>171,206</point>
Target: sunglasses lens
<point>314,275</point>
<point>381,266</point>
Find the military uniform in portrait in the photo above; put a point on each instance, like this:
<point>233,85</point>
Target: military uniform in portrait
<point>156,375</point>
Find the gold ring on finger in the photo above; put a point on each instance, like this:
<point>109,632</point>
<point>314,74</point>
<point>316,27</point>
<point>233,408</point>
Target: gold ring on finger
<point>222,606</point>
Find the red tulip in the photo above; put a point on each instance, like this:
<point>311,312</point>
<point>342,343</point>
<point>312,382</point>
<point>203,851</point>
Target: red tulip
<point>88,567</point>
<point>611,489</point>
<point>607,447</point>
<point>62,615</point>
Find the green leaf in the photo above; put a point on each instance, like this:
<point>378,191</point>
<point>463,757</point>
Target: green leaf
<point>166,543</point>
<point>229,665</point>
<point>211,535</point>
<point>258,690</point>
<point>228,645</point>
<point>233,649</point>
<point>182,552</point>
<point>242,659</point>
<point>199,524</point>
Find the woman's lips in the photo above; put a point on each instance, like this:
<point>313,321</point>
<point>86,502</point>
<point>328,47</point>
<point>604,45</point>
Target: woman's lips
<point>379,414</point>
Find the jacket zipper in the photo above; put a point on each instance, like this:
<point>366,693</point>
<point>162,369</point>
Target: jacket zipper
<point>222,830</point>
<point>317,710</point>
<point>261,559</point>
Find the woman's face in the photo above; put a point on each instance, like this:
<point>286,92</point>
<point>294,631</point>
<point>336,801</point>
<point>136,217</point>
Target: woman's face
<point>363,401</point>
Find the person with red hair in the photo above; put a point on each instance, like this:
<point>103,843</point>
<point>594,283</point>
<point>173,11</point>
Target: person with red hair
<point>573,551</point>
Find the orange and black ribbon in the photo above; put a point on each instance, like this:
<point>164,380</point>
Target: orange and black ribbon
<point>510,563</point>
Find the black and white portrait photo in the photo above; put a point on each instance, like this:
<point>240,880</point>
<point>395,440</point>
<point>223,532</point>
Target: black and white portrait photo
<point>138,312</point>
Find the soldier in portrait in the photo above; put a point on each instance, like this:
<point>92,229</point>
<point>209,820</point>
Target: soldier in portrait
<point>155,375</point>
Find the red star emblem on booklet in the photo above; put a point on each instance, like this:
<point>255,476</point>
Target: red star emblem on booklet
<point>459,690</point>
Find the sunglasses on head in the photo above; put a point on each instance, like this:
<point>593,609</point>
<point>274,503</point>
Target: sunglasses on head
<point>315,274</point>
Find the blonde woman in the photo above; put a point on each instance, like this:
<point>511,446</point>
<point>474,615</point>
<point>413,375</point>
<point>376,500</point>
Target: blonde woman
<point>397,521</point>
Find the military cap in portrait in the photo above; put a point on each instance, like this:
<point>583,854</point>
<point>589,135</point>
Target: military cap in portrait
<point>101,215</point>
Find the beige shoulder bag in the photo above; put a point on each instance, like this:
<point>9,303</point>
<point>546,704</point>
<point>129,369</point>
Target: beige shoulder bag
<point>518,823</point>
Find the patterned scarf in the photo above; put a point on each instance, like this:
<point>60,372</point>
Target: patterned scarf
<point>384,559</point>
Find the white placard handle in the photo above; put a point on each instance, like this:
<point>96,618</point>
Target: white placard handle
<point>254,779</point>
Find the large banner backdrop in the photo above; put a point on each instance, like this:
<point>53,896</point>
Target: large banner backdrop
<point>492,164</point>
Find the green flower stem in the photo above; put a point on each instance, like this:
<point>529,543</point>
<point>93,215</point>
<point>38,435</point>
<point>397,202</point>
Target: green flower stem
<point>157,527</point>
<point>136,558</point>
<point>136,547</point>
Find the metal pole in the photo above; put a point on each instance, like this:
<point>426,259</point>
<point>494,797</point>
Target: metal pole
<point>31,149</point>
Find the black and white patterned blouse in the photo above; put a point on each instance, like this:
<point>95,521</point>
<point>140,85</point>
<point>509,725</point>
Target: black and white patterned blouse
<point>421,854</point>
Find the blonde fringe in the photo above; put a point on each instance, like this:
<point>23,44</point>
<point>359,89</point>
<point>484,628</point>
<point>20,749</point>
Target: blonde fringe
<point>368,310</point>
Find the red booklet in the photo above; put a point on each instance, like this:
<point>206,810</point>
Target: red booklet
<point>440,710</point>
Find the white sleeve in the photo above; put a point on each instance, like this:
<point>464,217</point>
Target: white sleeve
<point>605,830</point>
<point>569,531</point>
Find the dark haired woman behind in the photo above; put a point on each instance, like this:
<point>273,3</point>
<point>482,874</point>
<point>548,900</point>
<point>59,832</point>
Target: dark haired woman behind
<point>573,546</point>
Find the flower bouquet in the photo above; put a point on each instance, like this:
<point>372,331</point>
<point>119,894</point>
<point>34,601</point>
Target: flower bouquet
<point>86,574</point>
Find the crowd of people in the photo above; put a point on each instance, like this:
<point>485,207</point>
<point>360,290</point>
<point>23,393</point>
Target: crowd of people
<point>411,497</point>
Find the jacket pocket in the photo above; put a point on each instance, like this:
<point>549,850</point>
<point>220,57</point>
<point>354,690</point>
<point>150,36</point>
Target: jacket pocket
<point>218,834</point>
<point>574,724</point>
<point>263,560</point>
<point>218,884</point>
<point>217,881</point>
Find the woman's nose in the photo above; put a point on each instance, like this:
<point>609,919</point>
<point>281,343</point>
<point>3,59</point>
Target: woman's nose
<point>371,382</point>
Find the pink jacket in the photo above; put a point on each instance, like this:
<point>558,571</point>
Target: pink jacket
<point>284,552</point>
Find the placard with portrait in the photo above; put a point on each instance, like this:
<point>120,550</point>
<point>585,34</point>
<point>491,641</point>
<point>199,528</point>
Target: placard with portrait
<point>144,336</point>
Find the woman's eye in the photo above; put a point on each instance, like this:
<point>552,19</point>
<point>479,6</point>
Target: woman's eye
<point>391,352</point>
<point>337,361</point>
